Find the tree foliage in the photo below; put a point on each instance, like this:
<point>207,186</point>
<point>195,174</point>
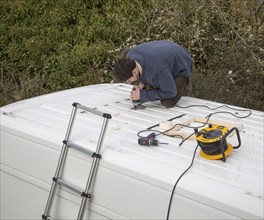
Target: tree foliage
<point>50,45</point>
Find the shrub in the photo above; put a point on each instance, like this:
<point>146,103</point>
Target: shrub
<point>55,45</point>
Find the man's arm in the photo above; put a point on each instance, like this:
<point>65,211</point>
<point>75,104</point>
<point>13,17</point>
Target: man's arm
<point>165,88</point>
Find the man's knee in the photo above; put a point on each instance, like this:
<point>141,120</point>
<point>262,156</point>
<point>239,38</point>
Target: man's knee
<point>169,103</point>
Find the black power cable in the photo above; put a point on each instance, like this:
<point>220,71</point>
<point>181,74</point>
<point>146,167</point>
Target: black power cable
<point>174,187</point>
<point>183,140</point>
<point>211,150</point>
<point>221,106</point>
<point>203,124</point>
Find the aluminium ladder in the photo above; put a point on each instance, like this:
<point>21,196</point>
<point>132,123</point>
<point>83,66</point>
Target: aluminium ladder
<point>57,180</point>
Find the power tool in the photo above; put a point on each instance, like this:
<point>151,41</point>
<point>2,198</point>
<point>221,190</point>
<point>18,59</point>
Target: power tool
<point>213,144</point>
<point>149,140</point>
<point>136,104</point>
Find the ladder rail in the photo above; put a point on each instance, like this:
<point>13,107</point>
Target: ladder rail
<point>93,169</point>
<point>87,189</point>
<point>60,164</point>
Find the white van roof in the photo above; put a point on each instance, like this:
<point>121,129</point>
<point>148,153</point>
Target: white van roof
<point>236,184</point>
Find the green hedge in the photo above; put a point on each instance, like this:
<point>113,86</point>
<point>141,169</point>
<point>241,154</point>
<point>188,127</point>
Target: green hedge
<point>50,45</point>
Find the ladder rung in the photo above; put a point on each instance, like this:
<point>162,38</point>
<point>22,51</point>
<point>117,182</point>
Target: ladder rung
<point>78,147</point>
<point>69,186</point>
<point>94,111</point>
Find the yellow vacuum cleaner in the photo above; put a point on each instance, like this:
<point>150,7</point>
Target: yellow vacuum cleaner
<point>213,144</point>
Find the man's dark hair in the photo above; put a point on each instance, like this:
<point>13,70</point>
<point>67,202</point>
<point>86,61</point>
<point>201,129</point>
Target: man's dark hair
<point>123,69</point>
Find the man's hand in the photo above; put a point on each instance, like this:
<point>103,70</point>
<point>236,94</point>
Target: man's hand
<point>135,93</point>
<point>141,85</point>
